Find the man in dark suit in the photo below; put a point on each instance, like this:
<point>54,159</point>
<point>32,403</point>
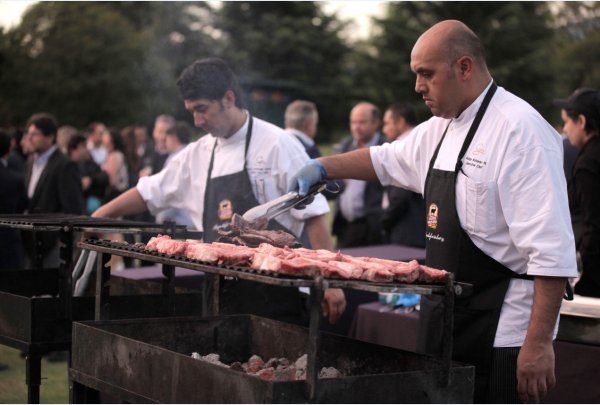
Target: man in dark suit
<point>52,181</point>
<point>403,218</point>
<point>358,211</point>
<point>13,200</point>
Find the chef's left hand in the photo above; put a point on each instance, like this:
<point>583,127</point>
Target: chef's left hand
<point>334,304</point>
<point>535,371</point>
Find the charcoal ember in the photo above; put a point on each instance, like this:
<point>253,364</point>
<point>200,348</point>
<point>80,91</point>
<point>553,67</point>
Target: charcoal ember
<point>237,366</point>
<point>329,372</point>
<point>301,363</point>
<point>277,362</point>
<point>300,366</point>
<point>266,374</point>
<point>211,358</point>
<point>284,373</point>
<point>254,364</point>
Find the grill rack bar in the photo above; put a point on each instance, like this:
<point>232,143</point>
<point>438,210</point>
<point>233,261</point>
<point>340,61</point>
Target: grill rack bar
<point>56,222</point>
<point>65,225</point>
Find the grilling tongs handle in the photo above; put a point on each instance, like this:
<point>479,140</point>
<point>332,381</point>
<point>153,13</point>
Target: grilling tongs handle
<point>281,204</point>
<point>296,200</point>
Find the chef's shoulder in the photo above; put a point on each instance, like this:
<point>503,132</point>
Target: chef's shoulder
<point>524,126</point>
<point>271,136</point>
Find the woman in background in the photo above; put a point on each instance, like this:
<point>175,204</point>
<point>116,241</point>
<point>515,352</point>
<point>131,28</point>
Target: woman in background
<point>115,164</point>
<point>581,116</point>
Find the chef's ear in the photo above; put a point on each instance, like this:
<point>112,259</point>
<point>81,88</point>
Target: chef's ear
<point>229,99</point>
<point>465,65</point>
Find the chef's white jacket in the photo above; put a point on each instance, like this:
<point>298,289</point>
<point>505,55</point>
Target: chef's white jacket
<point>511,195</point>
<point>273,157</point>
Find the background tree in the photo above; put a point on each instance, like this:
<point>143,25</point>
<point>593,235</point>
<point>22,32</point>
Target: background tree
<point>118,61</point>
<point>59,62</point>
<point>292,43</point>
<point>516,36</point>
<point>85,61</point>
<point>576,50</point>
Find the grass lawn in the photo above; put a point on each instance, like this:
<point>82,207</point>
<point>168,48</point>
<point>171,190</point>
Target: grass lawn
<point>13,390</point>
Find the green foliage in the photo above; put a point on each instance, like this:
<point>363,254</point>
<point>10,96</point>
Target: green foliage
<point>118,61</point>
<point>516,36</point>
<point>294,43</point>
<point>64,66</point>
<point>85,61</point>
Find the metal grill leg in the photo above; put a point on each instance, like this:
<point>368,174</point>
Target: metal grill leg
<point>33,377</point>
<point>81,394</point>
<point>312,366</point>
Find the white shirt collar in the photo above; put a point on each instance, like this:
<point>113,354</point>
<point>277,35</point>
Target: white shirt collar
<point>42,159</point>
<point>305,138</point>
<point>239,136</point>
<point>469,113</point>
<point>372,142</point>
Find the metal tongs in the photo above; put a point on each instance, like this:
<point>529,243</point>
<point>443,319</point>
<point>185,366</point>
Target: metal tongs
<point>281,204</point>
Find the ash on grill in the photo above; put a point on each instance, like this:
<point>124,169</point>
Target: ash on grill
<point>253,233</point>
<point>274,369</point>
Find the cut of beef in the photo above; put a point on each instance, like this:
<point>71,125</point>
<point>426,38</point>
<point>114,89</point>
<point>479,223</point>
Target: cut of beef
<point>298,262</point>
<point>431,275</point>
<point>345,270</point>
<point>252,234</point>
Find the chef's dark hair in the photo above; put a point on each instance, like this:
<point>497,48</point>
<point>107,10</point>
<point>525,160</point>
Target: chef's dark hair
<point>583,101</point>
<point>209,78</point>
<point>45,122</point>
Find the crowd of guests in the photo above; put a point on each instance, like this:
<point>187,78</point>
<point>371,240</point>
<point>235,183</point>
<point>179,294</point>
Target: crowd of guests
<point>50,168</point>
<point>47,168</point>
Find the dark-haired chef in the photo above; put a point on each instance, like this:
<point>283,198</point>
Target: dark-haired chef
<point>242,162</point>
<point>497,216</point>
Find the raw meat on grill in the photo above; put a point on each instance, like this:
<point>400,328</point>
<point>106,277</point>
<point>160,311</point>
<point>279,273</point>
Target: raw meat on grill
<point>164,244</point>
<point>429,274</point>
<point>301,266</point>
<point>299,262</point>
<point>266,262</point>
<point>345,270</point>
<point>231,255</point>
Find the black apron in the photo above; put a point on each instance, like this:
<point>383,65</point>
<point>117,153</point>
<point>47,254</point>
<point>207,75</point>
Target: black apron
<point>449,247</point>
<point>224,196</point>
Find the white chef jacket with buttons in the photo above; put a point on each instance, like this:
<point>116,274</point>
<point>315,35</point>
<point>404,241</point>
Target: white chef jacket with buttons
<point>511,193</point>
<point>274,156</point>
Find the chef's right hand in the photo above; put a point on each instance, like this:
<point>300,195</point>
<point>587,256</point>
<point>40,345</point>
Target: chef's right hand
<point>312,173</point>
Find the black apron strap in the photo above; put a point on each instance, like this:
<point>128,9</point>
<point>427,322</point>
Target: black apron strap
<point>212,155</point>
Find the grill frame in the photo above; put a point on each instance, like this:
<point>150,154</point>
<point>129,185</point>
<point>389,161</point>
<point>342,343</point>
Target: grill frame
<point>23,332</point>
<point>148,361</point>
<point>317,286</point>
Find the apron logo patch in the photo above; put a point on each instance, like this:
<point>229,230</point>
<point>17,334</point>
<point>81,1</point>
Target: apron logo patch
<point>432,216</point>
<point>225,210</point>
